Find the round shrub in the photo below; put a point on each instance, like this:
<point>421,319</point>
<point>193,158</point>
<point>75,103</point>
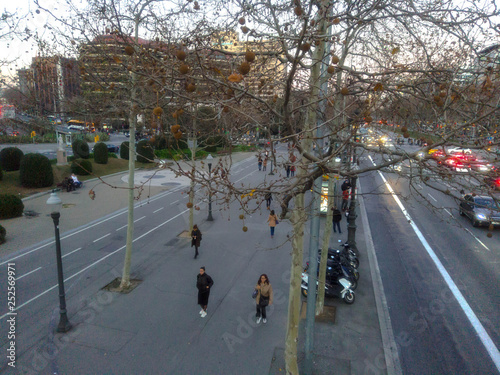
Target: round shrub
<point>80,149</point>
<point>101,153</point>
<point>124,150</point>
<point>145,153</point>
<point>81,167</point>
<point>10,159</point>
<point>36,171</point>
<point>3,234</point>
<point>10,206</point>
<point>161,143</point>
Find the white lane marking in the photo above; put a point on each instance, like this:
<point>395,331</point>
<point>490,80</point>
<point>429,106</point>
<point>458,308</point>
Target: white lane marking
<point>74,251</point>
<point>174,202</point>
<point>435,200</point>
<point>477,239</point>
<point>158,210</point>
<point>26,274</point>
<point>159,196</point>
<point>469,313</point>
<point>135,221</point>
<point>106,235</point>
<point>449,213</point>
<point>116,230</point>
<point>249,174</point>
<point>93,264</point>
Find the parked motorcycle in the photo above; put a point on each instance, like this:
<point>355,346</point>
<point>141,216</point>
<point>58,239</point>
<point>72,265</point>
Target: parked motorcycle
<point>340,288</point>
<point>336,270</point>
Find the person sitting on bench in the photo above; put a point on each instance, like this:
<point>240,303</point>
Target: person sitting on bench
<point>76,183</point>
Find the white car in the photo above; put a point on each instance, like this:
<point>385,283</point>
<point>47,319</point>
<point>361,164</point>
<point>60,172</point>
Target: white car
<point>458,150</point>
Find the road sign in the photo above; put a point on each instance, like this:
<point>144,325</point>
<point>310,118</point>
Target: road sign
<point>33,134</point>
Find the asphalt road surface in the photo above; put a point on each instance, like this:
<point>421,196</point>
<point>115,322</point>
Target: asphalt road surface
<point>427,267</point>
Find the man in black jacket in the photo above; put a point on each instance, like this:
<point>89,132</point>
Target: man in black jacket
<point>336,218</point>
<point>204,284</point>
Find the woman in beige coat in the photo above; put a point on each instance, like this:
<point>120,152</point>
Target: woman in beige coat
<point>264,297</point>
<point>272,220</point>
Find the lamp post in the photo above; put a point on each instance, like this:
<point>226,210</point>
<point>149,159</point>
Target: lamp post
<point>210,158</point>
<point>55,203</point>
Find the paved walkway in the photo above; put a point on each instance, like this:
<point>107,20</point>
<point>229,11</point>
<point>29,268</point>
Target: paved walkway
<point>357,342</point>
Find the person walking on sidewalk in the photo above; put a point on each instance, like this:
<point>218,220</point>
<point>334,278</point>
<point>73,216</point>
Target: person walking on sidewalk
<point>264,164</point>
<point>264,297</point>
<point>272,220</point>
<point>336,218</point>
<point>195,239</point>
<point>287,167</point>
<point>268,198</point>
<point>345,199</point>
<point>204,284</point>
<point>259,163</point>
<point>292,170</point>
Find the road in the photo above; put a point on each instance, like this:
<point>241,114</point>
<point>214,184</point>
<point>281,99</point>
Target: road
<point>437,333</point>
<point>50,149</point>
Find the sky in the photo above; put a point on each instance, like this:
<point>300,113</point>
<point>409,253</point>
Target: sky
<point>14,52</point>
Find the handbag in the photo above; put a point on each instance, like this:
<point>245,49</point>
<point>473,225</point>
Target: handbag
<point>255,293</point>
<point>277,222</point>
<point>264,301</point>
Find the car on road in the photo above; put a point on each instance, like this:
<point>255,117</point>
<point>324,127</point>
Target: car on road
<point>493,181</point>
<point>479,165</point>
<point>481,210</point>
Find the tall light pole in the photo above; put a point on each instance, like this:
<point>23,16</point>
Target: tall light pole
<point>210,158</point>
<point>55,203</point>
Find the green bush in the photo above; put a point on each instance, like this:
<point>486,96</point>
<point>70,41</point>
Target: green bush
<point>161,143</point>
<point>112,155</point>
<point>1,174</point>
<point>145,153</point>
<point>101,153</point>
<point>124,150</point>
<point>3,234</point>
<point>10,206</point>
<point>81,167</point>
<point>36,171</point>
<point>10,159</point>
<point>80,149</point>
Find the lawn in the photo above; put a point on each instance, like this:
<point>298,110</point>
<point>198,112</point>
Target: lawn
<point>10,183</point>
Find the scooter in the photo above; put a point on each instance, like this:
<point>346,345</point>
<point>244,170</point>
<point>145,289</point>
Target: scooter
<point>333,288</point>
<point>336,269</point>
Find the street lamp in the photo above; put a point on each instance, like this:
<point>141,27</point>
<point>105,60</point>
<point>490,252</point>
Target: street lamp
<point>55,204</point>
<point>210,158</point>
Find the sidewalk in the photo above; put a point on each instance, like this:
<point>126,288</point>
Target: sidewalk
<point>150,331</point>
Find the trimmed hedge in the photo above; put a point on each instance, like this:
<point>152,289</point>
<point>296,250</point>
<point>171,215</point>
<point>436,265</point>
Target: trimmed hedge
<point>80,149</point>
<point>36,171</point>
<point>101,153</point>
<point>145,153</point>
<point>3,234</point>
<point>124,150</point>
<point>10,206</point>
<point>81,167</point>
<point>10,159</point>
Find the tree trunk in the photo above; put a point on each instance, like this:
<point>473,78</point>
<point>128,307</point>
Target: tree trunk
<point>298,219</point>
<point>125,282</point>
